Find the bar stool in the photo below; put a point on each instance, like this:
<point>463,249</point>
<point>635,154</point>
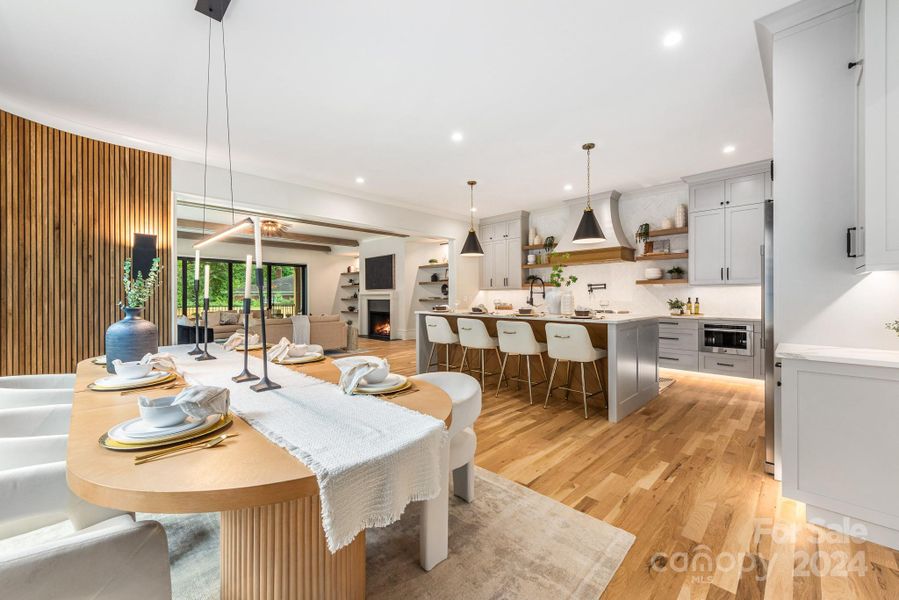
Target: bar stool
<point>571,343</point>
<point>516,338</point>
<point>473,336</point>
<point>440,332</point>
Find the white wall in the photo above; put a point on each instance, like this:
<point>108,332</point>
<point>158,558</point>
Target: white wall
<point>650,205</point>
<point>817,297</point>
<point>323,269</point>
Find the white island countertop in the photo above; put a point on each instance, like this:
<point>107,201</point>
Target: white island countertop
<point>608,319</point>
<point>836,354</point>
<point>710,318</point>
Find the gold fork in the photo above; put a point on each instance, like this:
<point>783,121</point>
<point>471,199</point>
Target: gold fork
<point>170,386</point>
<point>141,459</point>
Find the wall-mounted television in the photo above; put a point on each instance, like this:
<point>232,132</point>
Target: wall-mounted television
<point>379,272</point>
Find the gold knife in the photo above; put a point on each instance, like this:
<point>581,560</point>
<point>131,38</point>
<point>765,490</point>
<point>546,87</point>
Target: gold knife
<point>184,446</point>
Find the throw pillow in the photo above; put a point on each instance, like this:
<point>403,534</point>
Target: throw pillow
<point>229,318</point>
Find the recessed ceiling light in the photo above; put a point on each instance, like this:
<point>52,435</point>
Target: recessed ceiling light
<point>672,38</point>
<point>729,149</point>
<point>360,180</point>
<point>457,136</point>
<point>568,187</point>
<point>474,209</point>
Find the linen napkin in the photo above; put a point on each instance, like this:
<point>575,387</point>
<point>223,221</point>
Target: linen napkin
<point>354,368</point>
<point>236,341</point>
<point>200,401</point>
<point>161,361</point>
<point>286,349</point>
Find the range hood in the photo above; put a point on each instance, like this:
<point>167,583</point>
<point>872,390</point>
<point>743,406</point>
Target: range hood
<point>615,248</point>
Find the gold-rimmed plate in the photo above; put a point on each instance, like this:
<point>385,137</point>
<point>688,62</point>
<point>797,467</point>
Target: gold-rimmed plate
<point>301,360</point>
<point>214,427</point>
<point>376,390</point>
<point>136,385</point>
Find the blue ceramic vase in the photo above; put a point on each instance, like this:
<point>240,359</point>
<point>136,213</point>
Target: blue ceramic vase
<point>131,338</point>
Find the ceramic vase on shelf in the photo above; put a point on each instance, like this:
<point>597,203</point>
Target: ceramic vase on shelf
<point>532,235</point>
<point>680,216</point>
<point>131,338</point>
<point>553,301</point>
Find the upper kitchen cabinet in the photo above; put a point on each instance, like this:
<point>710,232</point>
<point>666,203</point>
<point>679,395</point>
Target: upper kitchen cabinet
<point>874,240</point>
<point>727,224</point>
<point>501,238</point>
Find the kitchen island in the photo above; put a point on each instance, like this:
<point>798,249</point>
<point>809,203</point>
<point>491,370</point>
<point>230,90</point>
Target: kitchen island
<point>632,342</point>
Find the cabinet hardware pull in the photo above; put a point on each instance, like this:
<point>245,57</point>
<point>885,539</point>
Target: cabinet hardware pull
<point>721,203</point>
<point>510,332</point>
<point>724,364</point>
<point>668,358</point>
<point>562,337</point>
<point>722,273</point>
<point>668,338</point>
<point>728,274</point>
<point>668,323</point>
<point>856,63</point>
<point>849,242</point>
<point>727,201</point>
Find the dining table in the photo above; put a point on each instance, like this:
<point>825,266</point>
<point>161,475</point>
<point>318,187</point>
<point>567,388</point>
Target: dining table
<point>272,541</point>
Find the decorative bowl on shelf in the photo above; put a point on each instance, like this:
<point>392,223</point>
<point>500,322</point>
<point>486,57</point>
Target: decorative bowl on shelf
<point>652,273</point>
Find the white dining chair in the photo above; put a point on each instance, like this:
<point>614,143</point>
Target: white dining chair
<point>36,390</point>
<point>571,343</point>
<point>473,335</point>
<point>17,452</point>
<point>516,338</point>
<point>52,419</point>
<point>440,333</point>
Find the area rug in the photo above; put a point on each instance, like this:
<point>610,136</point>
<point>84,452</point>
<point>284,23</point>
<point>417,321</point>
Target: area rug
<point>511,542</point>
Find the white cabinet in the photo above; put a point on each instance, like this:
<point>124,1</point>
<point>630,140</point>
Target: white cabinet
<point>749,189</point>
<point>874,240</point>
<point>707,196</point>
<point>501,238</point>
<point>744,234</point>
<point>707,247</point>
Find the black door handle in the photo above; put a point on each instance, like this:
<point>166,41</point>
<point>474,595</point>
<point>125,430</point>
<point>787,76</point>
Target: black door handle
<point>849,231</point>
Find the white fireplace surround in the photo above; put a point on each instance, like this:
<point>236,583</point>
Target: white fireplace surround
<point>365,296</point>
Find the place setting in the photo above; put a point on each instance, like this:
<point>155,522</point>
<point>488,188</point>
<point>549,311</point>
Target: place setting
<point>370,375</point>
<point>239,342</point>
<point>286,352</point>
<point>149,371</point>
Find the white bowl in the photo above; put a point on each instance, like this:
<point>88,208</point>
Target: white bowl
<point>652,273</point>
<point>131,370</point>
<point>162,414</point>
<point>379,374</point>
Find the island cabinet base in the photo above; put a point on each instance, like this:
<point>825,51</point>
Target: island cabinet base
<point>279,551</point>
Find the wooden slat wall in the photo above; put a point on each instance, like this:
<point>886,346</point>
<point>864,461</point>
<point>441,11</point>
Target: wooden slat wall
<point>69,207</point>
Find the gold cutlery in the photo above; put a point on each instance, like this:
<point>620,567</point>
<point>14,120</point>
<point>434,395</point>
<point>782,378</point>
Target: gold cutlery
<point>203,444</point>
<point>391,396</point>
<point>152,388</point>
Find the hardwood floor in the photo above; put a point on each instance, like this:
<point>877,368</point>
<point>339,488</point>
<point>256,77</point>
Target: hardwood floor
<point>684,474</point>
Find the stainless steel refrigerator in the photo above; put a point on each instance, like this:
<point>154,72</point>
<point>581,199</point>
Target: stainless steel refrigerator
<point>772,373</point>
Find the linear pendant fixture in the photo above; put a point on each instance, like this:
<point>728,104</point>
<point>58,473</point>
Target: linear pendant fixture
<point>223,233</point>
<point>472,246</point>
<point>588,230</point>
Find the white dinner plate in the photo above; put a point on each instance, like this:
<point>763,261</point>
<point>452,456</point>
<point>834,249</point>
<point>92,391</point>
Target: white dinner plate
<point>117,434</point>
<point>140,429</point>
<point>298,360</point>
<point>391,382</point>
<point>116,381</point>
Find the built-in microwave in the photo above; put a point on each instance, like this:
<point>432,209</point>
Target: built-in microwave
<point>727,338</point>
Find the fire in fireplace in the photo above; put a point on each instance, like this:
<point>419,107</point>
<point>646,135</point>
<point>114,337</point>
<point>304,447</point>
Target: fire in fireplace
<point>379,319</point>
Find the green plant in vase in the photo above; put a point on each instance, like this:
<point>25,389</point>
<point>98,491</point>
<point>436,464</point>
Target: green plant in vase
<point>556,277</point>
<point>134,337</point>
<point>676,273</point>
<point>676,306</point>
<point>139,289</point>
<point>642,233</point>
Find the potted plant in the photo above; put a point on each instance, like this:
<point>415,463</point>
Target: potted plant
<point>549,243</point>
<point>676,273</point>
<point>642,233</point>
<point>557,280</point>
<point>676,306</point>
<point>133,337</point>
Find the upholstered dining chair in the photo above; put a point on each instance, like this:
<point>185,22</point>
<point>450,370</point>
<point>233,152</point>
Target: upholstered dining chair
<point>31,421</point>
<point>466,395</point>
<point>36,390</point>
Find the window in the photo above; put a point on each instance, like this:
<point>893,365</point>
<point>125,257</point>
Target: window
<point>285,286</point>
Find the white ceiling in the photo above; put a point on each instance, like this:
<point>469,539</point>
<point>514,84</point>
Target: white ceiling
<point>323,92</point>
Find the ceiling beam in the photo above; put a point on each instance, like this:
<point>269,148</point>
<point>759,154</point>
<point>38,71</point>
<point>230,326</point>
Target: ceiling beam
<point>248,241</point>
<point>287,235</point>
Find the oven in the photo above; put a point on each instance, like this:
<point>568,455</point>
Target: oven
<point>727,338</point>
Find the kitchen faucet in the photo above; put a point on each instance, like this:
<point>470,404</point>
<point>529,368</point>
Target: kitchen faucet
<point>542,290</point>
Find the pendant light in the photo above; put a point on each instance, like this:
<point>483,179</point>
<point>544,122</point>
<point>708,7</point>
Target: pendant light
<point>472,246</point>
<point>588,231</point>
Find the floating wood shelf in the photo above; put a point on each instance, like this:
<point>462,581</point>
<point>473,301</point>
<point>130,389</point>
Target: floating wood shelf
<point>666,232</point>
<point>350,273</point>
<point>432,299</point>
<point>683,281</point>
<point>350,285</point>
<point>527,286</point>
<point>669,256</point>
<point>349,312</point>
<point>536,247</point>
<point>433,265</point>
<point>437,281</point>
<point>588,257</point>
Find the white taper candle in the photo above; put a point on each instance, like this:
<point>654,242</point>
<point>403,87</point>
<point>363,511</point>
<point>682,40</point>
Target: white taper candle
<point>206,284</point>
<point>246,287</point>
<point>197,266</point>
<point>257,233</point>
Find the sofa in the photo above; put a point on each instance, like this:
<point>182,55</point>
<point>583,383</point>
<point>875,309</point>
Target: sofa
<point>328,331</point>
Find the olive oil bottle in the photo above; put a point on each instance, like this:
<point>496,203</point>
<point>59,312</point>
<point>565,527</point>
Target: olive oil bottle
<point>696,306</point>
<point>689,306</point>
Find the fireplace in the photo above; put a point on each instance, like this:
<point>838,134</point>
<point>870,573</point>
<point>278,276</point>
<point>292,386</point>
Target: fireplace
<point>379,319</point>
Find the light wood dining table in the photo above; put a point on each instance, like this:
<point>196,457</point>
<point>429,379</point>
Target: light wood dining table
<point>272,541</point>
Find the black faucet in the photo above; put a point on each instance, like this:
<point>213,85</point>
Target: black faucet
<point>542,290</point>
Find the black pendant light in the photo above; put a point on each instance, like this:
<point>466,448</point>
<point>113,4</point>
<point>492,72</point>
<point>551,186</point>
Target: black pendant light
<point>588,231</point>
<point>472,246</point>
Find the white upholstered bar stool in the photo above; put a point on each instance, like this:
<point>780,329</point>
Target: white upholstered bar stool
<point>466,395</point>
<point>473,335</point>
<point>571,343</point>
<point>516,338</point>
<point>440,332</point>
<point>36,390</point>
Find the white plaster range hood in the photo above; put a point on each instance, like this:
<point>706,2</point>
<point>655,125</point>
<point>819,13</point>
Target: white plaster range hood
<point>605,206</point>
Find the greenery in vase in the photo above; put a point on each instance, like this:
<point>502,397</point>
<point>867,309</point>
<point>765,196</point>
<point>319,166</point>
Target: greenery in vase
<point>676,273</point>
<point>894,326</point>
<point>642,233</point>
<point>675,304</point>
<point>555,277</point>
<point>139,289</point>
<point>549,243</point>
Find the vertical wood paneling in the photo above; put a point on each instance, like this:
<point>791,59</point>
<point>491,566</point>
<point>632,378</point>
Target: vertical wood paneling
<point>69,207</point>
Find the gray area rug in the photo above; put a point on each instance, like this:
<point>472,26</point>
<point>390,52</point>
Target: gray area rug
<point>510,542</point>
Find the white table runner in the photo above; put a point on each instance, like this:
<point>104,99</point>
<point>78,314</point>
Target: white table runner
<point>371,457</point>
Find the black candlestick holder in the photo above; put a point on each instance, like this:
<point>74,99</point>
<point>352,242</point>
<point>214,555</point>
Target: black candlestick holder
<point>197,349</point>
<point>245,375</point>
<point>205,355</point>
<point>265,383</point>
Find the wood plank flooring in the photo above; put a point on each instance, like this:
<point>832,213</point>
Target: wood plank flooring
<point>685,475</point>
